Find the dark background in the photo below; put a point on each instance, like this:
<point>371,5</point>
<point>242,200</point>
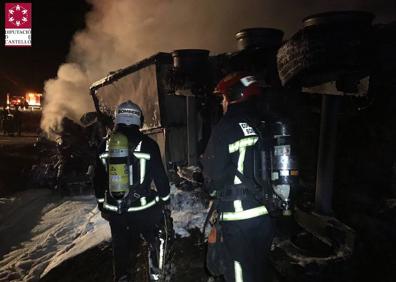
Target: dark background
<point>53,25</point>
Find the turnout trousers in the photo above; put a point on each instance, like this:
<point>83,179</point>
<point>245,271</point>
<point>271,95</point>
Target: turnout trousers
<point>126,231</point>
<point>247,243</point>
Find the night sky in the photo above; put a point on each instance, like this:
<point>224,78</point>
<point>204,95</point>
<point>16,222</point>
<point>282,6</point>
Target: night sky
<point>54,23</point>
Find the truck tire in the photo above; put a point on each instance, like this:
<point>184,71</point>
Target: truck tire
<point>322,51</point>
<point>314,57</point>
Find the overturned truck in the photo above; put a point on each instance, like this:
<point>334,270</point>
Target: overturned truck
<point>324,63</point>
<point>174,92</point>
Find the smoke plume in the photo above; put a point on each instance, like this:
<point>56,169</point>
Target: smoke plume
<point>120,33</point>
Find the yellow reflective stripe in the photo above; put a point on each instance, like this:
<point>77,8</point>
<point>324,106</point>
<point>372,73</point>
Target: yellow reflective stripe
<point>144,205</point>
<point>130,175</point>
<point>244,142</point>
<point>246,214</point>
<point>238,205</point>
<point>161,253</point>
<point>142,155</point>
<point>142,170</point>
<point>165,198</point>
<point>138,146</point>
<point>104,155</point>
<point>238,272</point>
<point>240,146</point>
<point>110,207</point>
<point>149,204</point>
<point>241,161</point>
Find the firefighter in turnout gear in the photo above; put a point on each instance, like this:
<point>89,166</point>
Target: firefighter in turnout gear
<point>126,198</point>
<point>242,230</point>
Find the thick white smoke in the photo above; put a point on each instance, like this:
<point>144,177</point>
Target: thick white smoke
<point>120,33</point>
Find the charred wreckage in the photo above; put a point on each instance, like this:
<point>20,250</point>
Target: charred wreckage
<point>337,67</point>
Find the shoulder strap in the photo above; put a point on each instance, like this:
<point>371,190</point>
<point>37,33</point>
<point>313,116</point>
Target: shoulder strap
<point>132,147</point>
<point>243,178</point>
<point>255,125</point>
<point>263,147</point>
<point>136,165</point>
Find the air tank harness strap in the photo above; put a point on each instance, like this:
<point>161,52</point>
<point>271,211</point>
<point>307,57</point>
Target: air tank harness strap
<point>236,192</point>
<point>241,191</point>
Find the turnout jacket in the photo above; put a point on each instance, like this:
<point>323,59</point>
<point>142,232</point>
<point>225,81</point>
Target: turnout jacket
<point>230,149</point>
<point>150,170</point>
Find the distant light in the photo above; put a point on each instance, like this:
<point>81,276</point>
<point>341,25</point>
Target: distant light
<point>33,99</point>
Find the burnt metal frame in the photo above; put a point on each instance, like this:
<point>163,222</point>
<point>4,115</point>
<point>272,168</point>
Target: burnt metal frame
<point>116,75</point>
<point>326,154</point>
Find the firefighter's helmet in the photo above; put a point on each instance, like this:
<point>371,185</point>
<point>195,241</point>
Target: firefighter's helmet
<point>128,113</point>
<point>238,87</point>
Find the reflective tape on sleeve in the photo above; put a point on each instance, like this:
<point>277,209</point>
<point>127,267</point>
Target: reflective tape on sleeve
<point>166,198</point>
<point>105,155</point>
<point>110,207</point>
<point>100,200</point>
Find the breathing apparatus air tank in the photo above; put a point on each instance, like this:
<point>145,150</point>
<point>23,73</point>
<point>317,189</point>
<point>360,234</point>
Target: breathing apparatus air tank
<point>284,167</point>
<point>118,166</point>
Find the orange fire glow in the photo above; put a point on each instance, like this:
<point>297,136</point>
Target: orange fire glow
<point>33,99</point>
